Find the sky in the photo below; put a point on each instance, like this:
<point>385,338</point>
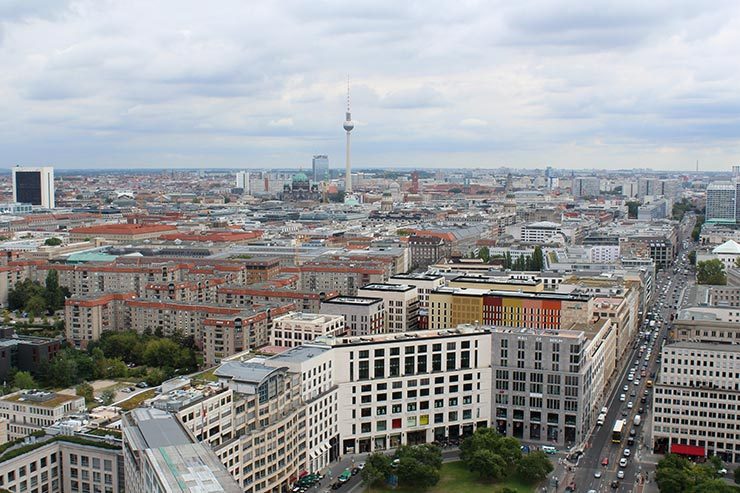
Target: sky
<point>453,84</point>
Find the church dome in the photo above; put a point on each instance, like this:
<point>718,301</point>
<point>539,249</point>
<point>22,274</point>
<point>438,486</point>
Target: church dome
<point>300,177</point>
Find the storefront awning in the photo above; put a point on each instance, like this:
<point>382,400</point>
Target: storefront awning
<point>692,450</point>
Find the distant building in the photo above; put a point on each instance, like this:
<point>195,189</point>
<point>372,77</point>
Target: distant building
<point>34,186</point>
<point>320,166</point>
<point>121,232</point>
<point>721,202</point>
<point>588,186</point>
<point>242,181</point>
<point>427,250</point>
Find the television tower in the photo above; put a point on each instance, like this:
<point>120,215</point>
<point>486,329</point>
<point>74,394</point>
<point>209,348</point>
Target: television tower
<point>348,126</point>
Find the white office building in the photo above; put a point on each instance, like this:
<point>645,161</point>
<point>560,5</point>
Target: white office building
<point>721,202</point>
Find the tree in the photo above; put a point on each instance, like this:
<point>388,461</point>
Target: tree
<point>538,259</point>
<point>487,464</point>
<point>54,241</point>
<point>632,207</point>
<point>107,396</point>
<point>736,475</point>
<point>507,260</point>
<point>85,390</point>
<point>710,272</point>
<point>692,257</point>
<point>24,380</point>
<point>36,305</point>
<point>155,377</point>
<point>506,448</point>
<point>377,468</point>
<point>418,465</point>
<point>534,466</point>
<point>484,254</point>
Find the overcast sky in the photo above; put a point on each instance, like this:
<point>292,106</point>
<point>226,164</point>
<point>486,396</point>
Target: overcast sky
<point>176,83</point>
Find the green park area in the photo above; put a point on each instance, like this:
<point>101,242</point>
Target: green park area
<point>456,478</point>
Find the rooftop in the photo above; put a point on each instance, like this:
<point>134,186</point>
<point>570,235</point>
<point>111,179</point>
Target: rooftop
<point>300,354</point>
<point>244,371</point>
<point>353,300</point>
<point>729,247</point>
<point>418,277</point>
<point>159,428</point>
<point>399,288</point>
<point>40,398</point>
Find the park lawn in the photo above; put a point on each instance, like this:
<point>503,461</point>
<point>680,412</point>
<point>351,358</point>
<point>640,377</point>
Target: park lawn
<point>455,478</point>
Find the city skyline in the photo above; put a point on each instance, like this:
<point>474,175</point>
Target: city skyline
<point>540,84</point>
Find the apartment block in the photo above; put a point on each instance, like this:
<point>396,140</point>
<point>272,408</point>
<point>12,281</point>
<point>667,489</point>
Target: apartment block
<point>343,277</point>
<point>28,411</point>
<point>24,353</point>
<point>315,364</point>
<point>308,301</point>
<point>65,464</point>
<point>362,315</point>
<point>695,402</point>
<point>269,420</point>
<point>226,335</point>
<point>401,304</point>
<point>87,317</point>
<point>296,328</point>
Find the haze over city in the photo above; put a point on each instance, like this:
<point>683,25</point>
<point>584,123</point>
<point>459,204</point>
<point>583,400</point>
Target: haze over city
<point>89,84</point>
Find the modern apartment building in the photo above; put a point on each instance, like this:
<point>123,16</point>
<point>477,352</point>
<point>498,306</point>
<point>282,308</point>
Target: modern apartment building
<point>362,316</point>
<point>161,456</point>
<point>343,277</point>
<point>316,366</point>
<point>401,304</point>
<point>543,232</point>
<point>695,405</point>
<point>296,328</point>
<point>28,411</point>
<point>588,186</point>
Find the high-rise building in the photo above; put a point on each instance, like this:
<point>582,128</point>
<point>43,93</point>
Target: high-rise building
<point>242,181</point>
<point>34,186</point>
<point>588,186</point>
<point>320,165</point>
<point>721,205</point>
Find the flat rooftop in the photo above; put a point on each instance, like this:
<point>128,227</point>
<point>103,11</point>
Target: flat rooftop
<point>418,277</point>
<point>39,399</point>
<point>353,300</point>
<point>397,288</point>
<point>158,428</point>
<point>300,354</point>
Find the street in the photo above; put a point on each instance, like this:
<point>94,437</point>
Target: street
<point>670,292</point>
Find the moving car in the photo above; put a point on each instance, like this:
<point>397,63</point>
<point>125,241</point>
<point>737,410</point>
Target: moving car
<point>605,461</point>
<point>627,452</point>
<point>620,474</point>
<point>615,484</point>
<point>597,474</point>
<point>623,462</point>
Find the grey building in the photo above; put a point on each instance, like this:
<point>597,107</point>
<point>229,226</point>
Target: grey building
<point>320,166</point>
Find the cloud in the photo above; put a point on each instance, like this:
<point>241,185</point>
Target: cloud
<point>86,83</point>
<point>473,122</point>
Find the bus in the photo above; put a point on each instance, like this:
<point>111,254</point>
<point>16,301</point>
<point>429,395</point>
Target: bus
<point>617,431</point>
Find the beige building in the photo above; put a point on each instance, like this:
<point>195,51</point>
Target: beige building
<point>28,411</point>
<point>87,317</point>
<point>362,315</point>
<point>296,328</point>
<point>424,284</point>
<point>65,464</point>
